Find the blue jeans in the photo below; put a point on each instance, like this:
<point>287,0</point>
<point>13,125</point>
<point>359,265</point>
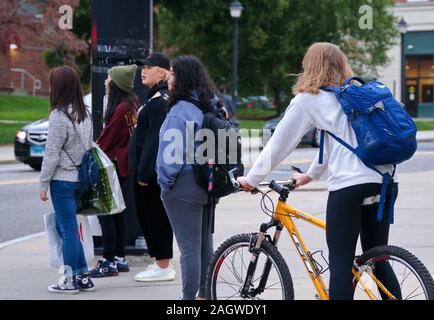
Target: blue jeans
<point>65,197</point>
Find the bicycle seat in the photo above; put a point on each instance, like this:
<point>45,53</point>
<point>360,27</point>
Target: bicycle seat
<point>369,201</point>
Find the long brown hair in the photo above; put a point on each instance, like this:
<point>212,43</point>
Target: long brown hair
<point>65,90</point>
<point>324,64</point>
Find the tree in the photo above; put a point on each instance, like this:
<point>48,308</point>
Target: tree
<point>61,54</point>
<point>274,36</point>
<point>41,17</point>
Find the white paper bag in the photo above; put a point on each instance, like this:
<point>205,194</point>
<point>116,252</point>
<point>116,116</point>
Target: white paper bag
<point>55,255</point>
<point>95,226</point>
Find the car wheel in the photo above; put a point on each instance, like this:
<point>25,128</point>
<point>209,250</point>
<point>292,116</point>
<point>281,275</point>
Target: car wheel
<point>36,167</point>
<point>316,139</point>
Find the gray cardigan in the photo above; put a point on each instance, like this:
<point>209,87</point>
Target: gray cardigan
<point>62,136</point>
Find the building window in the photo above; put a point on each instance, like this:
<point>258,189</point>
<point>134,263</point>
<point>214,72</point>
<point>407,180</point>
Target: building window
<point>419,81</point>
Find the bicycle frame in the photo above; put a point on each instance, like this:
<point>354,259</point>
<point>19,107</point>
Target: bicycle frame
<point>284,213</point>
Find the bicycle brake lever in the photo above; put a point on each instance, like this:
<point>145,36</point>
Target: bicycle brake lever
<point>234,181</point>
<point>296,169</point>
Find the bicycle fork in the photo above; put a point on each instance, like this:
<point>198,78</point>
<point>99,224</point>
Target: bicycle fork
<point>255,250</point>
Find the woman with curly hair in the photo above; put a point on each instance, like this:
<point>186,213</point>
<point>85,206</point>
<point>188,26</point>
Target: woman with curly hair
<point>185,201</point>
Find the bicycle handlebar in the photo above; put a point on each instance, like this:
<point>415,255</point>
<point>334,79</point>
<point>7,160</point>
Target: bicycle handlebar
<point>281,187</point>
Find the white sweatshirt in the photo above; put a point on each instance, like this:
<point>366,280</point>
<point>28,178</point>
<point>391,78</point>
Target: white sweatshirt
<point>324,112</point>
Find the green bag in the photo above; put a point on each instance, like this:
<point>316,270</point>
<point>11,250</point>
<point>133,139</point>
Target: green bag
<point>106,198</point>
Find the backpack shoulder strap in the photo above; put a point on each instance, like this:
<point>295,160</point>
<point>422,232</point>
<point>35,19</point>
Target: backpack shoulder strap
<point>329,89</point>
<point>342,142</point>
<point>198,104</point>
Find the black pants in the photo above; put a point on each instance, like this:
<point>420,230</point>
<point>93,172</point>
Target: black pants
<point>346,219</point>
<point>113,231</point>
<point>153,220</point>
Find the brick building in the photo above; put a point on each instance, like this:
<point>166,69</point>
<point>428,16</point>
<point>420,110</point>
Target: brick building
<point>30,59</point>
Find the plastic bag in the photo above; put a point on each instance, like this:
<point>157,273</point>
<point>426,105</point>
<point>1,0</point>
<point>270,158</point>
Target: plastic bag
<point>55,254</point>
<point>95,226</point>
<point>55,257</point>
<point>107,197</point>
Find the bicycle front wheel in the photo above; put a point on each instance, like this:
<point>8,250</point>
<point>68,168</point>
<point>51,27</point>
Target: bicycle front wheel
<point>228,272</point>
<point>398,274</point>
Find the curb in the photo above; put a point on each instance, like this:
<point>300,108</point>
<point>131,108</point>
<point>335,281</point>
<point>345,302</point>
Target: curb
<point>9,162</point>
<point>21,239</point>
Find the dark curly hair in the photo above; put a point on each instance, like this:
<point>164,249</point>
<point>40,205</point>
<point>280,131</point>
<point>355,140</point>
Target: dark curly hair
<point>114,99</point>
<point>190,74</point>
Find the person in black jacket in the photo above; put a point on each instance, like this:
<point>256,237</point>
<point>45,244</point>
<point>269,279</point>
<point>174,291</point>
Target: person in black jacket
<point>143,154</point>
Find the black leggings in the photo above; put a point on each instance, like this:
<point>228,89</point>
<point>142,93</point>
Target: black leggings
<point>346,219</point>
<point>113,231</point>
<point>153,220</point>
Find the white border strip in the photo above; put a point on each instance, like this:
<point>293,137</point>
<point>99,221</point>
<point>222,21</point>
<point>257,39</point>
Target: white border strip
<point>22,239</point>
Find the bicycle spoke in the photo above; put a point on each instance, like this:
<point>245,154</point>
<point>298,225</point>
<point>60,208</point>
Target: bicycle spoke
<point>269,287</point>
<point>407,298</point>
<point>409,272</point>
<point>224,281</point>
<point>232,296</point>
<point>416,295</point>
<point>232,260</point>
<point>233,271</point>
<point>242,260</point>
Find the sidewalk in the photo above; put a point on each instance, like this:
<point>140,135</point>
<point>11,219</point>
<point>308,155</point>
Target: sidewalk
<point>7,151</point>
<point>7,155</point>
<point>24,272</point>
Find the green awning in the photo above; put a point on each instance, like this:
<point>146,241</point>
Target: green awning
<point>419,43</point>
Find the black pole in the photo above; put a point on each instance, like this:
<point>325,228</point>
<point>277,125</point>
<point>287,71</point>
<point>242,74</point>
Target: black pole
<point>234,60</point>
<point>403,70</point>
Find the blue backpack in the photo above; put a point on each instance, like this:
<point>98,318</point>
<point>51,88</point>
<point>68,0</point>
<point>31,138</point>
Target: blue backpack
<point>385,133</point>
<point>88,170</point>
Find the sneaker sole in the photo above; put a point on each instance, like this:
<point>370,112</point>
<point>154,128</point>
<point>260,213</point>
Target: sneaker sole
<point>155,279</point>
<point>88,290</point>
<point>105,275</point>
<point>51,290</point>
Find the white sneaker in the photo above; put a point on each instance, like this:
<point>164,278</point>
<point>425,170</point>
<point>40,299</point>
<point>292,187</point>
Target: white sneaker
<point>155,273</point>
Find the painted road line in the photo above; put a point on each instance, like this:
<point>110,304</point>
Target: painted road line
<point>424,153</point>
<point>22,239</point>
<point>18,182</point>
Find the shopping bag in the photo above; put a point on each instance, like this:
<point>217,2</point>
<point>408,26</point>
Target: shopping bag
<point>55,257</point>
<point>55,254</point>
<point>85,236</point>
<point>95,227</point>
<point>106,198</point>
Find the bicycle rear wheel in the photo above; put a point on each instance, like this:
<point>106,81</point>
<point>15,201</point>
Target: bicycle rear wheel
<point>228,271</point>
<point>398,270</point>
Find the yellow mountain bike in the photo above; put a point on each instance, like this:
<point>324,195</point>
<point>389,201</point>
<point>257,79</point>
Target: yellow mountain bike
<point>250,266</point>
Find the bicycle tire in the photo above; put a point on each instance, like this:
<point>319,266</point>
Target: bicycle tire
<point>243,240</point>
<point>388,252</point>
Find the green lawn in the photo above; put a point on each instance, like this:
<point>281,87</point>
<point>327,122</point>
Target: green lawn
<point>23,108</point>
<point>425,125</point>
<point>252,124</point>
<point>255,114</point>
<point>8,132</point>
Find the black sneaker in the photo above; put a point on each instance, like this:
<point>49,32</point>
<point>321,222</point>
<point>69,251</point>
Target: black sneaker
<point>104,268</point>
<point>65,286</point>
<point>122,264</point>
<point>85,283</point>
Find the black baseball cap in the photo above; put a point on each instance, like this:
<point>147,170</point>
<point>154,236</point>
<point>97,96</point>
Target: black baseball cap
<point>157,59</point>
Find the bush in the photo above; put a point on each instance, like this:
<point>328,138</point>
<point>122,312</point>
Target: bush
<point>255,114</point>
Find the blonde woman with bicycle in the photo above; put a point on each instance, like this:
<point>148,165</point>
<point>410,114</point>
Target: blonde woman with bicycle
<point>349,180</point>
